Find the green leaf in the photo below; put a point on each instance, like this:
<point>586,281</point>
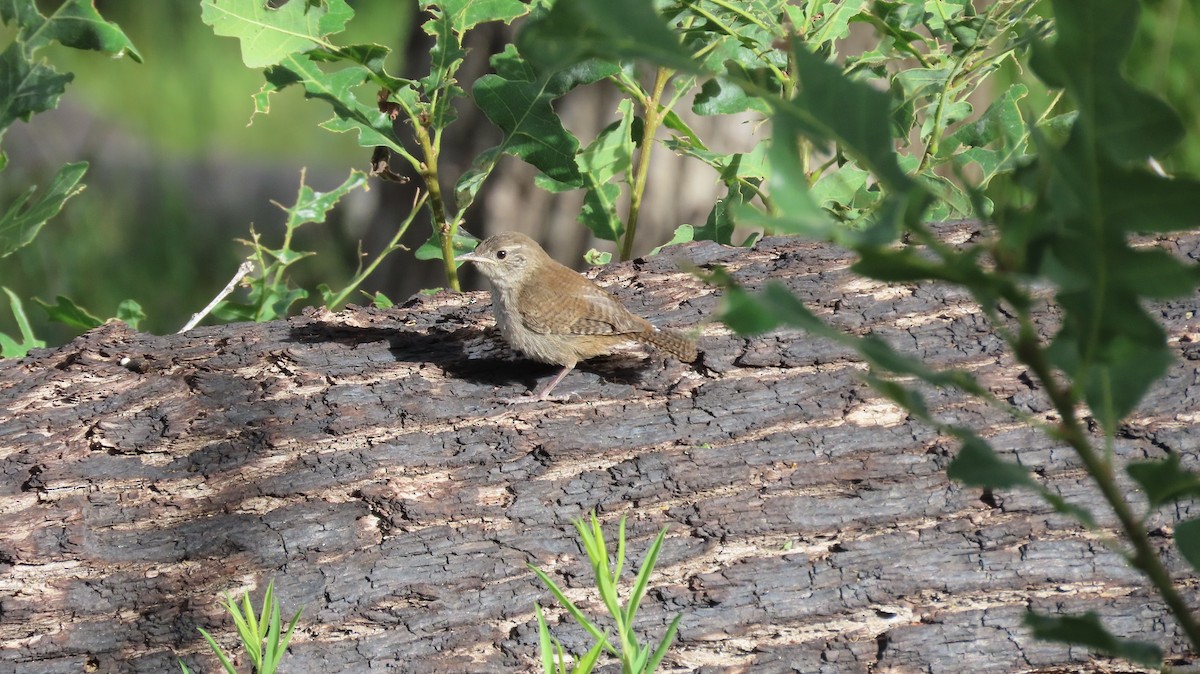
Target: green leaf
<point>978,465</point>
<point>466,14</point>
<point>920,83</point>
<point>444,59</point>
<point>643,577</point>
<point>609,157</point>
<point>279,644</point>
<point>1126,353</point>
<point>271,295</point>
<point>1128,123</point>
<point>719,96</point>
<point>336,88</point>
<point>22,221</point>
<point>574,31</point>
<point>287,256</point>
<point>597,257</point>
<point>901,265</point>
<point>131,313</point>
<point>586,663</point>
<point>683,234</point>
<point>1134,200</point>
<point>473,178</point>
<point>845,189</point>
<point>721,221</point>
<point>312,206</point>
<point>519,103</point>
<point>432,248</point>
<point>775,305</point>
<point>908,398</point>
<point>599,211</point>
<point>570,606</point>
<point>280,303</point>
<point>744,315</point>
<point>1086,630</point>
<point>9,347</point>
<point>734,39</point>
<point>750,166</point>
<point>267,35</point>
<point>66,311</point>
<point>833,21</point>
<point>995,142</point>
<point>1187,540</point>
<point>794,211</point>
<point>75,24</point>
<point>381,301</point>
<point>883,356</point>
<point>1091,192</point>
<point>27,88</point>
<point>1164,481</point>
<point>831,107</point>
<point>900,15</point>
<point>234,311</point>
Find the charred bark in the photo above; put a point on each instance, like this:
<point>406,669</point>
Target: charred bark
<point>364,461</point>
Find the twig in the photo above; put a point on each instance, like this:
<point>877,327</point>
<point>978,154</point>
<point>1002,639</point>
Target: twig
<point>197,317</point>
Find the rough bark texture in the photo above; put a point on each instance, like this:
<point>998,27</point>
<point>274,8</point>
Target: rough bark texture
<point>363,460</point>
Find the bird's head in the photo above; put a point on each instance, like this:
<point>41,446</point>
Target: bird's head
<point>507,259</point>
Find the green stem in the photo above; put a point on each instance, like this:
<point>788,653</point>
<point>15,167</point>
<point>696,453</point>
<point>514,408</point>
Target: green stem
<point>392,246</point>
<point>288,228</point>
<point>445,227</point>
<point>654,117</point>
<point>939,126</point>
<point>1144,557</point>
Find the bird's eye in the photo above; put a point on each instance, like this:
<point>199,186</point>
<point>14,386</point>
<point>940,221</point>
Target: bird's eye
<point>501,254</point>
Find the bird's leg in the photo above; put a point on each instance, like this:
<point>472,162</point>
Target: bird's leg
<point>543,391</point>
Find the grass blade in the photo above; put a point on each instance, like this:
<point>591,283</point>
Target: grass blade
<point>545,645</point>
<point>267,603</point>
<point>217,649</point>
<point>272,653</point>
<point>643,577</point>
<point>588,662</point>
<point>252,637</point>
<point>663,645</point>
<point>572,608</point>
<point>616,576</point>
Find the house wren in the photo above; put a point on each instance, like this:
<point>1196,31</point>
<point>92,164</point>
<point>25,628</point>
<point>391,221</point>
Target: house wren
<point>554,315</point>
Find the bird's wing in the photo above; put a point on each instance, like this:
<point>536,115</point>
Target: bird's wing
<point>567,303</point>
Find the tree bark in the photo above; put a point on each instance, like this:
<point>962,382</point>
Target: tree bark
<point>364,461</point>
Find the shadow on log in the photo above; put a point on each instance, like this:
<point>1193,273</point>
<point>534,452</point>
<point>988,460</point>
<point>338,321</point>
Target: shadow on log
<point>363,460</point>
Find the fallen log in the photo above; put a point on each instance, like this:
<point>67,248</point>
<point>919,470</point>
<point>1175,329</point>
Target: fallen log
<point>365,461</point>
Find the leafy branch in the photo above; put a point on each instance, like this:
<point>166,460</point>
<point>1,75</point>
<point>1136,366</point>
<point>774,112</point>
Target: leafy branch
<point>29,85</point>
<point>297,48</point>
<point>1059,197</point>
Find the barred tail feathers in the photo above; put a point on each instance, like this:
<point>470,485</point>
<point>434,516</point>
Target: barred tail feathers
<point>673,342</point>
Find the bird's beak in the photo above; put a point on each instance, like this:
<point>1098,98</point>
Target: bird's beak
<point>472,257</point>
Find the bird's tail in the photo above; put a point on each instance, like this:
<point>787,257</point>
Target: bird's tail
<point>675,343</point>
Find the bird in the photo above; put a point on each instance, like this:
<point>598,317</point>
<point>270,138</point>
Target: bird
<point>555,315</point>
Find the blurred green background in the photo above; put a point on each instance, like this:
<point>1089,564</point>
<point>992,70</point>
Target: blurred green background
<point>177,175</point>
